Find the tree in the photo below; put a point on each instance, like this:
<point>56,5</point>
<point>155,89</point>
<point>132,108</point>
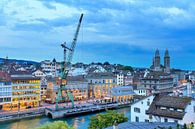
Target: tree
<point>56,125</point>
<point>101,121</point>
<point>106,63</point>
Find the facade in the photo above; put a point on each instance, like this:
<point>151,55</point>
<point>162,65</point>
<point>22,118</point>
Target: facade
<point>50,68</point>
<point>138,109</point>
<point>100,84</point>
<point>155,81</point>
<point>5,91</point>
<point>38,73</point>
<point>164,108</point>
<point>142,92</point>
<point>122,93</point>
<point>78,86</point>
<point>25,92</point>
<point>120,79</point>
<point>5,95</point>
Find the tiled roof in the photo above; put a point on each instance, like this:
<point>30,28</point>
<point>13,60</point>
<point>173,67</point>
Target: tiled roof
<point>145,125</point>
<point>174,102</point>
<point>168,102</point>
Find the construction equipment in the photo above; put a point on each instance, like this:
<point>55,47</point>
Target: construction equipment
<point>66,67</point>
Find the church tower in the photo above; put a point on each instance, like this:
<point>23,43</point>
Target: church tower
<point>167,61</point>
<point>157,61</point>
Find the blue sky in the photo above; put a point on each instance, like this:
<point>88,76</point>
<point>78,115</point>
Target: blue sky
<point>118,31</point>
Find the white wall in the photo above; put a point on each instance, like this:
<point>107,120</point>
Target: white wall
<point>140,92</point>
<point>142,104</point>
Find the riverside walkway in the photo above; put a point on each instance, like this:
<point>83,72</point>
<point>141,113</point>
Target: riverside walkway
<point>54,114</point>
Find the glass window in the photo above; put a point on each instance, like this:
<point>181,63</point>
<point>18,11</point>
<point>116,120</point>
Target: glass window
<point>137,119</point>
<point>137,110</point>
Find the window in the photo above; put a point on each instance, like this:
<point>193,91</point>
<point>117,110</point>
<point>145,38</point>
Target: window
<point>165,120</point>
<point>194,108</point>
<point>136,119</point>
<point>148,103</point>
<point>146,120</point>
<point>176,121</point>
<point>137,110</point>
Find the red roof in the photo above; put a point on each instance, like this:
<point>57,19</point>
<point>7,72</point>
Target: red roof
<point>4,76</point>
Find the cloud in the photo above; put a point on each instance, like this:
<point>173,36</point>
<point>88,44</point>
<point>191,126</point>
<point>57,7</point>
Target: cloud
<point>142,25</point>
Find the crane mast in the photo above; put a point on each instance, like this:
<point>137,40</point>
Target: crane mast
<point>66,67</point>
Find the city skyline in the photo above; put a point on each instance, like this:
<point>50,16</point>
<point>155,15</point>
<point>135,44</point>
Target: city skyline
<point>118,31</point>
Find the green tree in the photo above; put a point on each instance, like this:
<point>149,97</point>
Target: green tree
<point>56,125</point>
<point>101,121</point>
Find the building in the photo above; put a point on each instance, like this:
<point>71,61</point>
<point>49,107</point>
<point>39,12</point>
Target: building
<point>120,79</point>
<point>25,92</point>
<point>122,93</point>
<point>138,109</point>
<point>78,86</point>
<point>164,108</point>
<point>156,62</point>
<point>38,73</point>
<point>167,62</point>
<point>155,81</point>
<point>5,91</point>
<point>50,68</point>
<point>100,84</point>
<point>145,125</point>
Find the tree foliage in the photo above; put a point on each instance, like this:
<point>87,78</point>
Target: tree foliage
<point>56,125</point>
<point>101,121</point>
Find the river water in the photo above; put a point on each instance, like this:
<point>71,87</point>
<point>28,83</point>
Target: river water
<point>80,122</point>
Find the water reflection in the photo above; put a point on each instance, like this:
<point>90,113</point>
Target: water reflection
<point>80,122</point>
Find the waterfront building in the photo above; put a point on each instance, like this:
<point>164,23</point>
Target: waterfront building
<point>25,91</point>
<point>164,108</point>
<point>100,84</point>
<point>122,93</point>
<point>5,91</point>
<point>78,86</point>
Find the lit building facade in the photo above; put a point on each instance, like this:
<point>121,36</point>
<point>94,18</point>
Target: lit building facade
<point>25,92</point>
<point>78,86</point>
<point>122,93</point>
<point>100,84</point>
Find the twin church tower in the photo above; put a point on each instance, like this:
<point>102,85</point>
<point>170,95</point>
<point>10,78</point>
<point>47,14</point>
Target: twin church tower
<point>156,65</point>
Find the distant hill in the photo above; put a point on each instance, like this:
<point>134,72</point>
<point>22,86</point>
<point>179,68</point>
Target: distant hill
<point>19,61</point>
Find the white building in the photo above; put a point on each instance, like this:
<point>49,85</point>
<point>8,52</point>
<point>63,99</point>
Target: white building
<point>138,110</point>
<point>38,73</point>
<point>142,92</point>
<point>50,67</point>
<point>164,108</point>
<point>120,79</point>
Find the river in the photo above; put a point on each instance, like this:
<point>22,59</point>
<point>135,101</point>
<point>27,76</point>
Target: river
<point>80,122</point>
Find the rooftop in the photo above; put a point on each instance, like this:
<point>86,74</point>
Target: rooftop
<point>145,125</point>
<point>168,102</point>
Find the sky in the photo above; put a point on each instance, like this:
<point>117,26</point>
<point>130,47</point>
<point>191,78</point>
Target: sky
<point>119,31</point>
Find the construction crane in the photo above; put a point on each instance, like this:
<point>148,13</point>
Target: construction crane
<point>66,67</point>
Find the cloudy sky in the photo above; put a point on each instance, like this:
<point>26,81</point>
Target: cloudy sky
<point>118,31</point>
